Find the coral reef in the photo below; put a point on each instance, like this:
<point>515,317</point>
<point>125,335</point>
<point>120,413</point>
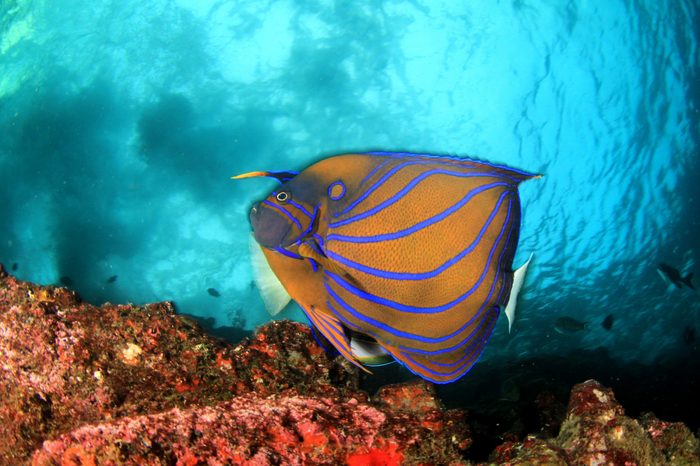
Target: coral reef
<point>141,385</point>
<point>125,384</point>
<point>596,431</point>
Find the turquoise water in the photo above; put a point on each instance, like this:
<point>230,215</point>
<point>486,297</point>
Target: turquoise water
<point>122,121</point>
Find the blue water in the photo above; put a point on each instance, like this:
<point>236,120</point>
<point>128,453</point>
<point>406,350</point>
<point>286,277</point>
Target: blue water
<point>122,121</point>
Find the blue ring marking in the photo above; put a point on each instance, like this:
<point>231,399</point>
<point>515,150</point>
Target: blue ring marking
<point>330,188</point>
<point>386,203</point>
<point>314,265</point>
<point>457,159</point>
<point>398,167</point>
<point>376,185</point>
<point>291,217</point>
<point>418,226</point>
<point>422,275</point>
<point>414,309</point>
<point>300,207</point>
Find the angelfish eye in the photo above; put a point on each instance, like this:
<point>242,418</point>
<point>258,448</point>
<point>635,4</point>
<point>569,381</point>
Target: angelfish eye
<point>282,196</point>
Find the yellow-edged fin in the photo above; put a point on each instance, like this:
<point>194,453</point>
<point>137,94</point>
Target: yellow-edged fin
<point>249,175</point>
<point>330,328</point>
<point>273,294</point>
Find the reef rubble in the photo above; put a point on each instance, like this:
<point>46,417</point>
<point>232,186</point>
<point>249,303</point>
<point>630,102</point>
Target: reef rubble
<point>126,384</point>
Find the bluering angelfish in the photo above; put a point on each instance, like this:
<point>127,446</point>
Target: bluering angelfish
<point>413,251</point>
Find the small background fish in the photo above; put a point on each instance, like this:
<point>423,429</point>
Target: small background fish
<point>569,325</point>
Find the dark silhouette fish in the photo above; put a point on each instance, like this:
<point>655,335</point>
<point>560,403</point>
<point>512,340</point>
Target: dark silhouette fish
<point>674,276</point>
<point>568,325</point>
<point>689,335</point>
<point>608,322</point>
<point>15,267</point>
<point>112,279</point>
<point>414,252</point>
<point>214,292</point>
<point>66,280</point>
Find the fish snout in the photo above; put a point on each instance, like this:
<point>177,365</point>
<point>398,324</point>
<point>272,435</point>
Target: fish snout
<point>270,229</point>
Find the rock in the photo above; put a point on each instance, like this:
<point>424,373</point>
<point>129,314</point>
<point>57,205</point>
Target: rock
<point>596,431</point>
<point>245,430</point>
<point>125,384</point>
<point>81,384</point>
<point>673,439</point>
<point>531,451</point>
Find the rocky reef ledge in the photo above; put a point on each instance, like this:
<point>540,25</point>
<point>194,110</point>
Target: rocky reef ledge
<point>125,384</point>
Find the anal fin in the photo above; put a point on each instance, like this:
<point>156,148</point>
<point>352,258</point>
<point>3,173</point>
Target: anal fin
<point>331,328</point>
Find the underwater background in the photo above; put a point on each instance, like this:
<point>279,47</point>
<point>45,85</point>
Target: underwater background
<point>121,123</point>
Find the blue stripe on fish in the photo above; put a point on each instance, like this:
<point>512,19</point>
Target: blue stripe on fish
<point>393,331</point>
<point>375,170</point>
<point>314,265</point>
<point>303,209</point>
<point>484,330</point>
<point>418,226</point>
<point>284,252</point>
<point>486,333</point>
<point>332,331</point>
<point>311,225</point>
<point>283,210</point>
<point>422,275</point>
<point>415,309</point>
<point>474,357</point>
<point>386,203</point>
<point>505,286</point>
<point>402,155</point>
<point>376,185</point>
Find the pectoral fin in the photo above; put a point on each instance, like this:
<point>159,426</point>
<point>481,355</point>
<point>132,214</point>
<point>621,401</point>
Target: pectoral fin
<point>271,290</point>
<point>310,250</point>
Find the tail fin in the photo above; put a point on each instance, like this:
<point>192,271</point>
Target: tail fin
<point>687,280</point>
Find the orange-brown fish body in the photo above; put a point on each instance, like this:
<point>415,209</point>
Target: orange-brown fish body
<point>413,250</point>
